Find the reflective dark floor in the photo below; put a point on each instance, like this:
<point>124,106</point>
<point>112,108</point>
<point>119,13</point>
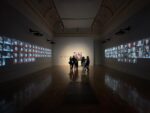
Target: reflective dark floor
<point>61,90</point>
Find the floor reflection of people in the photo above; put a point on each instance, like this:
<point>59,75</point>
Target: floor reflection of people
<point>73,74</point>
<point>85,76</point>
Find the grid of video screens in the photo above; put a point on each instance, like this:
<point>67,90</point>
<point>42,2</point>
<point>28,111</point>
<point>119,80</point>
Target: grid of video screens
<point>14,52</point>
<point>130,52</point>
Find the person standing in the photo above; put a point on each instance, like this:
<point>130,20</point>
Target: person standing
<point>87,63</point>
<point>71,62</point>
<point>82,61</point>
<point>76,63</point>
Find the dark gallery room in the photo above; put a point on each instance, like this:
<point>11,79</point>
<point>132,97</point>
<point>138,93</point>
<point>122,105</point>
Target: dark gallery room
<point>74,56</point>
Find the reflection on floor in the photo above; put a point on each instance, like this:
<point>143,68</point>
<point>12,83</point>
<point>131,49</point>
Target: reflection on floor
<point>58,90</point>
<point>14,97</point>
<point>79,92</point>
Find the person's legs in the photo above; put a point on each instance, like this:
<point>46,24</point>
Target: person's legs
<point>85,67</point>
<point>88,68</point>
<point>71,66</point>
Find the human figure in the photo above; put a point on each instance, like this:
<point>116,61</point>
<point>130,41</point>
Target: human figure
<point>76,63</point>
<point>87,63</point>
<point>82,61</point>
<point>71,62</point>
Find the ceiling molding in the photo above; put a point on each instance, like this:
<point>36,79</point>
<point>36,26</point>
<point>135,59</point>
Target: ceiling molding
<point>109,15</point>
<point>90,18</point>
<point>107,12</point>
<point>49,15</point>
<point>128,9</point>
<point>28,13</point>
<point>30,5</point>
<point>91,35</point>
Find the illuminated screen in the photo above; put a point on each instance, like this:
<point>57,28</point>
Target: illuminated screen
<point>14,52</point>
<point>129,52</point>
<point>78,55</point>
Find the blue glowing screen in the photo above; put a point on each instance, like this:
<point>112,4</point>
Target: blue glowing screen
<point>130,52</point>
<point>13,51</point>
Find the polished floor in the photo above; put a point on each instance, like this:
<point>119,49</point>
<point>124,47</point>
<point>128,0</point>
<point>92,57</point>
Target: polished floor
<point>61,90</point>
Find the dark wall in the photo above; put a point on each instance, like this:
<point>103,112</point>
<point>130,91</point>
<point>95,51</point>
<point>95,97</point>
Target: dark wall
<point>140,29</point>
<point>98,48</point>
<point>14,25</point>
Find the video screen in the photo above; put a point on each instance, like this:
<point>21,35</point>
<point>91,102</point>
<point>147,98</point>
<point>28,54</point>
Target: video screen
<point>130,52</point>
<point>13,51</point>
<point>77,55</point>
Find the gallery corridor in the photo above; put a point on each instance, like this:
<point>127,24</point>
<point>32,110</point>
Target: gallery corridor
<point>101,90</point>
<point>41,40</point>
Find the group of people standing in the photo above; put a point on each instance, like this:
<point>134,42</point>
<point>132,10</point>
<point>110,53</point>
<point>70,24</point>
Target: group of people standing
<point>85,62</point>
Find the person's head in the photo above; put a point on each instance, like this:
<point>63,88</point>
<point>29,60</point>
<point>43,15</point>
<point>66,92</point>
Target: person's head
<point>87,57</point>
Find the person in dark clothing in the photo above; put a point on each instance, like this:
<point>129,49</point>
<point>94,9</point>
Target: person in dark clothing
<point>76,63</point>
<point>82,61</point>
<point>87,63</point>
<point>71,62</point>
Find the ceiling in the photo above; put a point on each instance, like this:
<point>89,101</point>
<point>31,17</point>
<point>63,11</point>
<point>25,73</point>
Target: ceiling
<point>77,13</point>
<point>80,16</point>
<point>94,16</point>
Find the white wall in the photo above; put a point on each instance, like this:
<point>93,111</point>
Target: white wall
<point>65,46</point>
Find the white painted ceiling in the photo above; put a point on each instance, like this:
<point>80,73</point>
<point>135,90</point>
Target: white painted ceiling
<point>77,13</point>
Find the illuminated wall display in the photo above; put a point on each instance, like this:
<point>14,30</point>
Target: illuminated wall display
<point>130,52</point>
<point>129,93</point>
<point>78,55</point>
<point>14,52</point>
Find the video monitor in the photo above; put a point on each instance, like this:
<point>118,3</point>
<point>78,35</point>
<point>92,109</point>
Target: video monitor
<point>130,52</point>
<point>139,49</point>
<point>15,61</point>
<point>21,60</point>
<point>21,55</point>
<point>15,55</point>
<point>7,55</point>
<point>0,55</point>
<point>20,43</point>
<point>15,42</point>
<point>16,49</point>
<point>7,48</point>
<point>3,62</point>
<point>1,39</point>
<point>13,51</point>
<point>7,41</point>
<point>0,62</point>
<point>1,47</point>
<point>146,48</point>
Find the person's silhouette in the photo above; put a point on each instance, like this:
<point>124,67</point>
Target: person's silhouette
<point>87,63</point>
